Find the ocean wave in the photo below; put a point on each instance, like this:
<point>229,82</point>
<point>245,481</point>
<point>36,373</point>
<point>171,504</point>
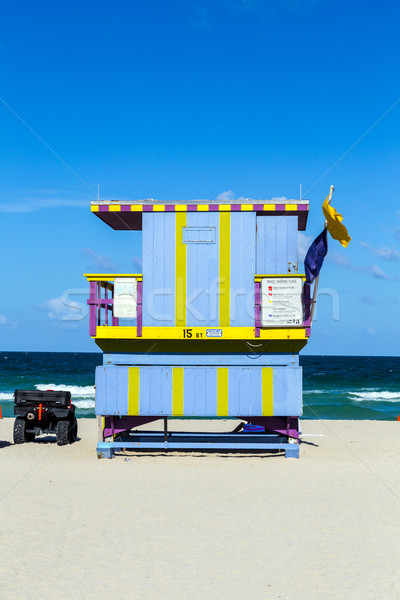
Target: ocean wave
<point>6,396</point>
<point>84,403</point>
<point>376,396</point>
<point>77,391</point>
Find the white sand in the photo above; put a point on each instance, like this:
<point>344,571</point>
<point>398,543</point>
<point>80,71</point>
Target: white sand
<point>201,526</point>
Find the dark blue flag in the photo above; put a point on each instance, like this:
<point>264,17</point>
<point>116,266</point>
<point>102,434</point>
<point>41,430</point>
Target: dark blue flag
<point>315,256</point>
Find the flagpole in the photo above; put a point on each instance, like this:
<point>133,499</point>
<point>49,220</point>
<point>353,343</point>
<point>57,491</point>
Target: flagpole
<point>315,291</point>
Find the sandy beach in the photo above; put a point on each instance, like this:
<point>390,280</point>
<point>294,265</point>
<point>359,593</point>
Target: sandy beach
<point>197,526</point>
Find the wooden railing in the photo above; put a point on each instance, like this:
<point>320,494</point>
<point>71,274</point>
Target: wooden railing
<point>101,300</point>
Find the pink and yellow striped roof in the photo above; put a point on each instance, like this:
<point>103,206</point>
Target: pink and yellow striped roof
<point>127,215</point>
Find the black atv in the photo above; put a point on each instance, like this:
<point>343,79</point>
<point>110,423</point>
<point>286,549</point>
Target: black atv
<point>44,412</point>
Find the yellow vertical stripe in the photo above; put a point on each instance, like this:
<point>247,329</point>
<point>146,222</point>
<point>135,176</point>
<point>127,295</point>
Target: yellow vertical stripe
<point>222,391</point>
<point>224,268</point>
<point>177,391</point>
<point>180,272</point>
<point>267,392</point>
<point>133,391</point>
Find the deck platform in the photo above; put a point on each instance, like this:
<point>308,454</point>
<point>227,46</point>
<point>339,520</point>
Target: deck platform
<point>194,441</point>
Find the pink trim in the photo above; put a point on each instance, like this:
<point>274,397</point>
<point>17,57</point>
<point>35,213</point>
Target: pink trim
<point>257,308</point>
<point>139,308</point>
<point>106,307</point>
<point>257,300</point>
<point>92,307</point>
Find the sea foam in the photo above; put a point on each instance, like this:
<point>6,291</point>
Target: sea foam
<point>77,391</point>
<point>376,396</point>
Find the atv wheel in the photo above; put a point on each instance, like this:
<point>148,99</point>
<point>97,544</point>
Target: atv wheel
<point>62,432</point>
<point>19,431</point>
<point>73,431</point>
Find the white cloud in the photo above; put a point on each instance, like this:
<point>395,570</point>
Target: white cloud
<point>228,196</point>
<point>341,260</point>
<point>369,330</point>
<point>63,309</point>
<point>364,299</point>
<point>344,262</point>
<point>5,323</point>
<point>377,272</point>
<point>384,252</point>
<point>103,263</point>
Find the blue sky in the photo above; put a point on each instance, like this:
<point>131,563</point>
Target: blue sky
<point>183,100</point>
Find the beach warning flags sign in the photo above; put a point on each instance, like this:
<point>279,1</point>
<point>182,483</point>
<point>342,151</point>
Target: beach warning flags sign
<point>334,223</point>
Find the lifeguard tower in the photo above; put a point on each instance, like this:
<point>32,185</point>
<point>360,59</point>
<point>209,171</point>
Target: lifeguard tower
<point>211,328</point>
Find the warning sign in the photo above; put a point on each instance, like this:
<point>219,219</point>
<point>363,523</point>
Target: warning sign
<point>281,302</point>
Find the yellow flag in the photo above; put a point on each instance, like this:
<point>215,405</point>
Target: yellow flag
<point>334,224</point>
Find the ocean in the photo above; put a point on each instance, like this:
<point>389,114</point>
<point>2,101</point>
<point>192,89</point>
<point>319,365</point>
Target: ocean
<point>335,387</point>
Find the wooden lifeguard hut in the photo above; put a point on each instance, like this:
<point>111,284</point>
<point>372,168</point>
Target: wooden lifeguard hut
<point>212,327</point>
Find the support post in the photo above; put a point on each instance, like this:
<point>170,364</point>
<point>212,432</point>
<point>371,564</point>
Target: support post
<point>92,307</point>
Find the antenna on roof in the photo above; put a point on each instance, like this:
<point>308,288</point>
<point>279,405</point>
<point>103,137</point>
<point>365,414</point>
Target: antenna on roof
<point>98,192</point>
<point>300,193</point>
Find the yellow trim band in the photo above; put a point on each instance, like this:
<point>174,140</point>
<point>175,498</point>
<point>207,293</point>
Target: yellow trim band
<point>224,269</point>
<point>222,391</point>
<point>177,392</point>
<point>110,277</point>
<point>199,333</point>
<point>276,275</point>
<point>180,271</point>
<point>133,390</point>
<point>267,387</point>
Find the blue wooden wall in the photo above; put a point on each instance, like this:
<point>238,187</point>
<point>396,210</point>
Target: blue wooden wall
<point>243,395</point>
<point>258,244</point>
<point>277,244</point>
